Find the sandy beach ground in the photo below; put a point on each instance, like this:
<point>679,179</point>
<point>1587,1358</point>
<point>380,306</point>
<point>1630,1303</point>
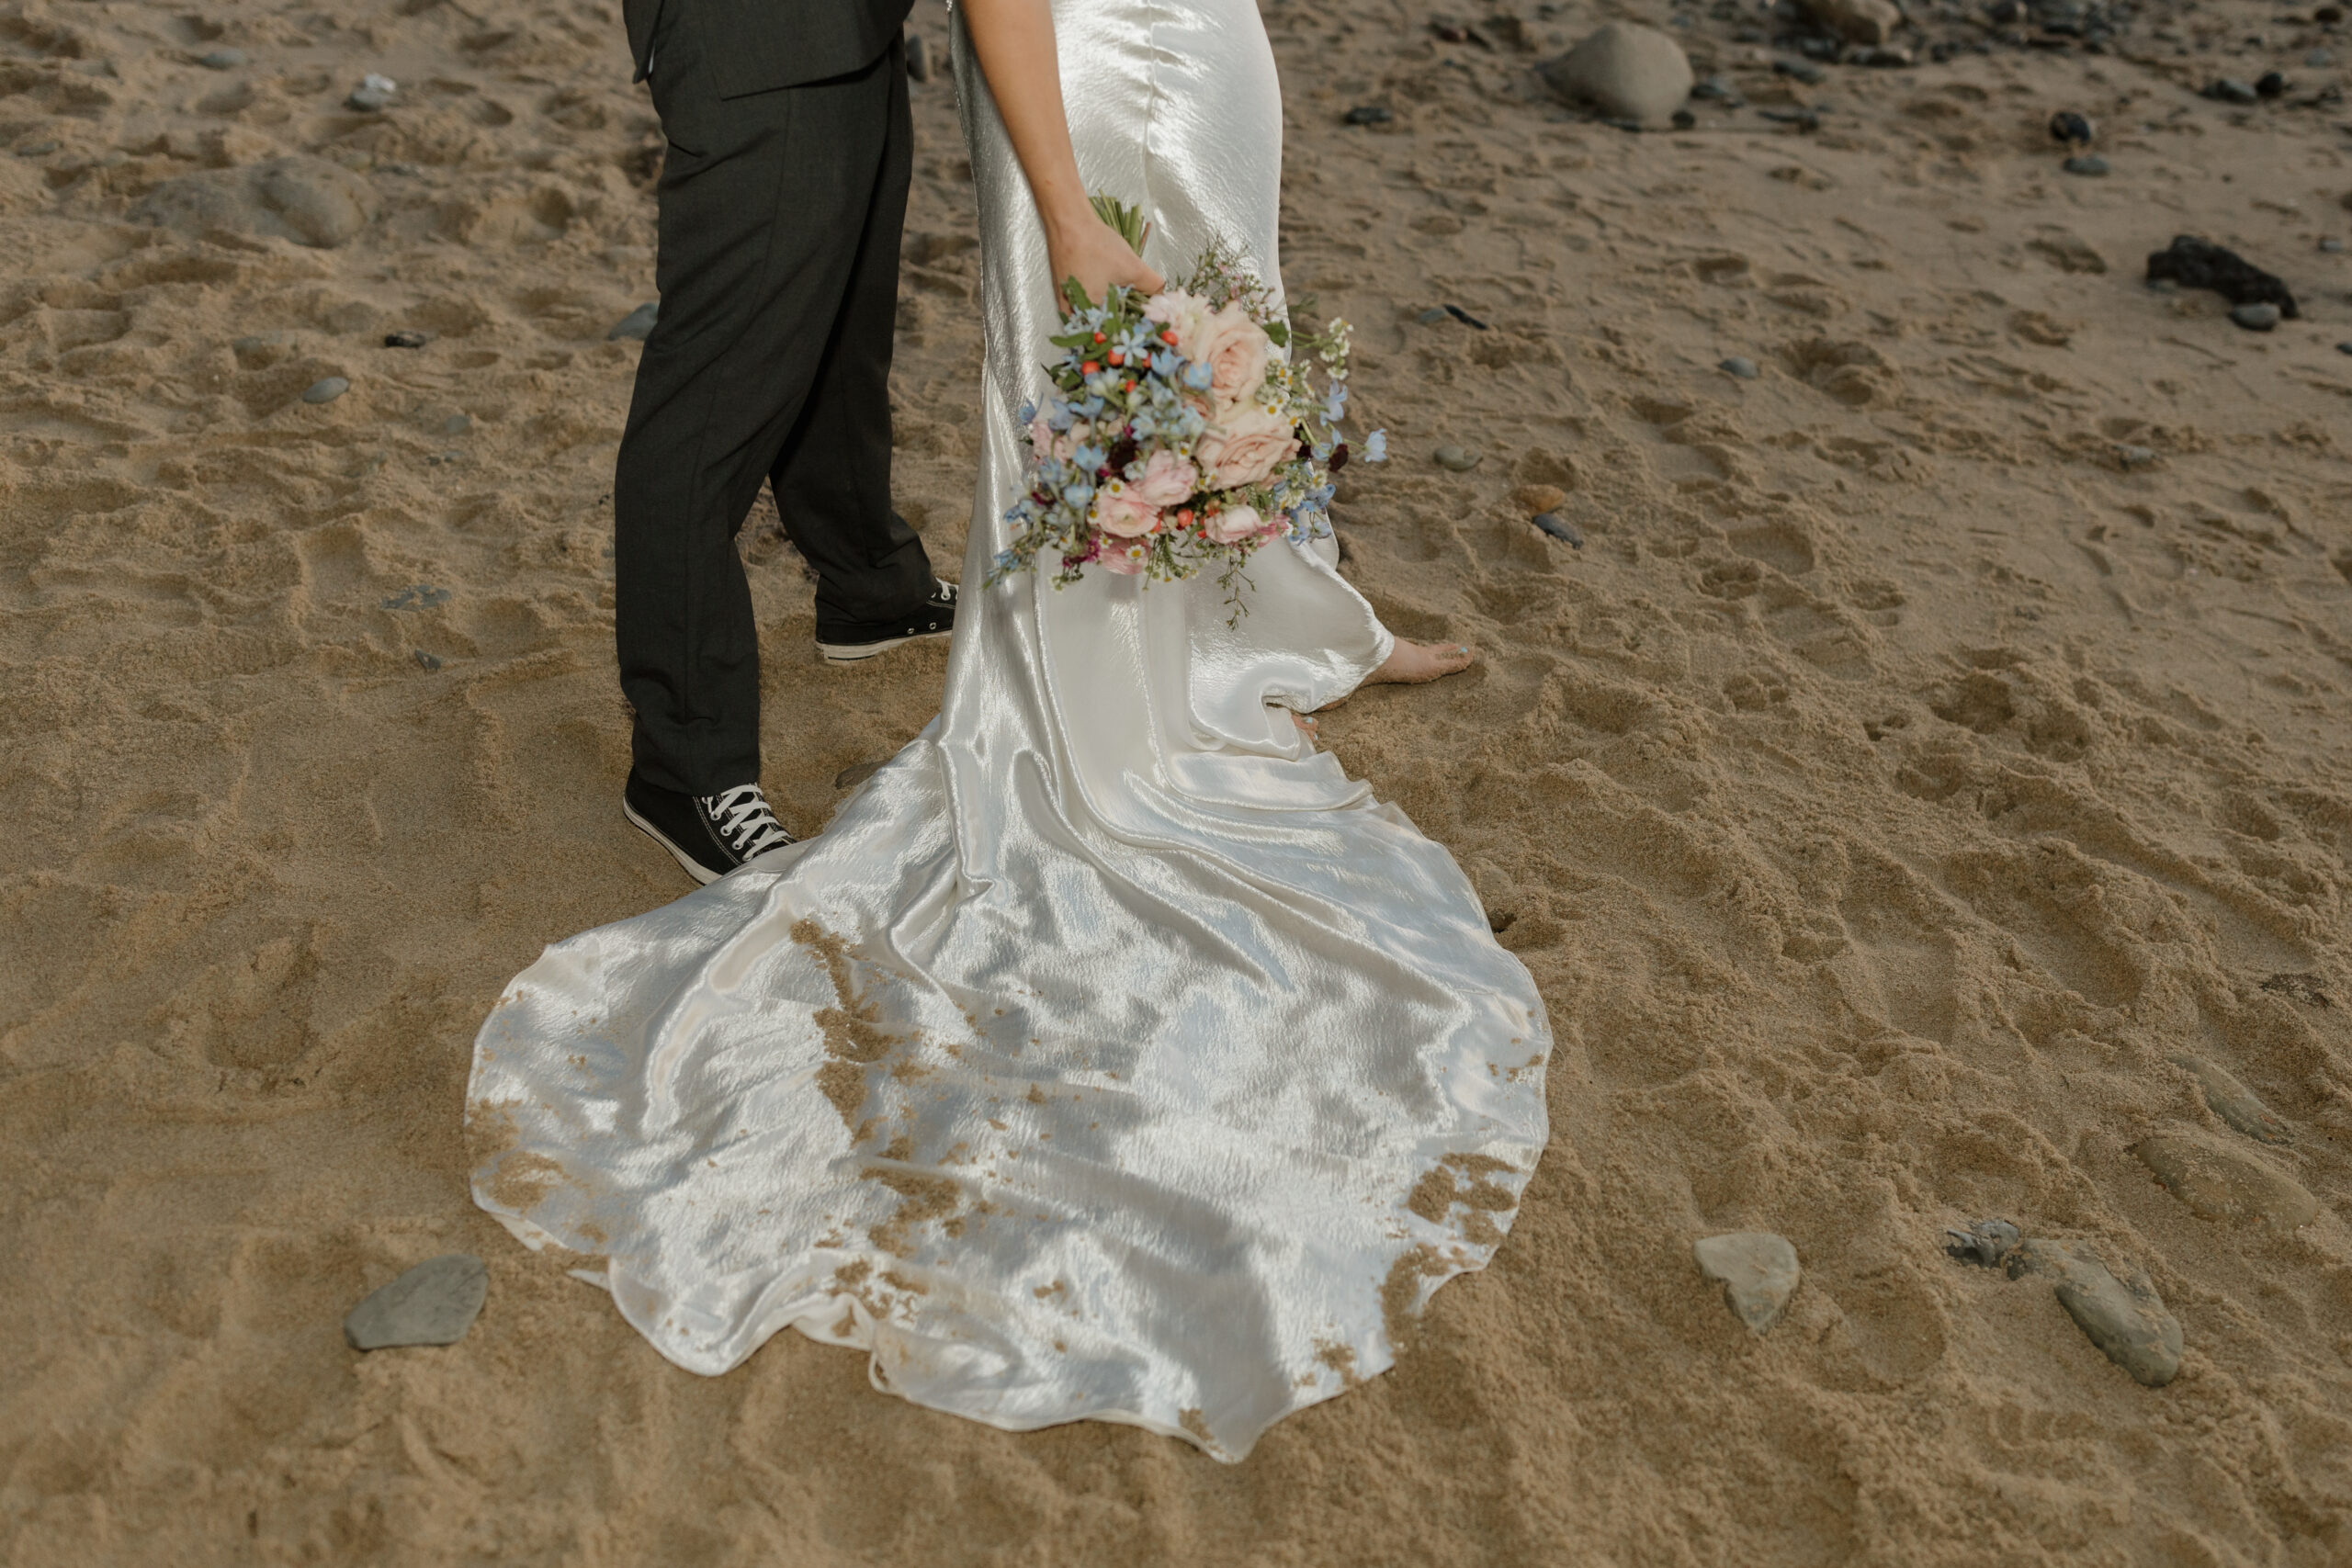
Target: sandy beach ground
<point>1935,739</point>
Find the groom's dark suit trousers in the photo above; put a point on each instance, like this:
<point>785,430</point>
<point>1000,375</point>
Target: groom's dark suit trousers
<point>780,211</point>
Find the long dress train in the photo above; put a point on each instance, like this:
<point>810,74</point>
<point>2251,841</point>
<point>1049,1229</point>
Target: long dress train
<point>1111,1054</point>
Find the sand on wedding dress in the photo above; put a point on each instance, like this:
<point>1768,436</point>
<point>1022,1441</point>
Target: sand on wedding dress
<point>1935,739</point>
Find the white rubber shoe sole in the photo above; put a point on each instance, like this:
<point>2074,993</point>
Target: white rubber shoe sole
<point>694,868</point>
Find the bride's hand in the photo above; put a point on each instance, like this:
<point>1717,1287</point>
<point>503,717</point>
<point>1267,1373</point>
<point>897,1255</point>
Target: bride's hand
<point>1091,251</point>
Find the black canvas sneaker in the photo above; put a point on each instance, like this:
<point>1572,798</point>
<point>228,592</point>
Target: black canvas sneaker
<point>846,642</point>
<point>709,834</point>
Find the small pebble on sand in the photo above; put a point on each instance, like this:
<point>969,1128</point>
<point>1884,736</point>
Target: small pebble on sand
<point>1739,365</point>
<point>373,95</point>
<point>407,338</point>
<point>1368,113</point>
<point>1455,458</point>
<point>2126,1319</point>
<point>2254,318</point>
<point>1560,528</point>
<point>432,1303</point>
<point>326,389</point>
<point>1758,1271</point>
<point>638,323</point>
<point>2089,164</point>
<point>222,60</point>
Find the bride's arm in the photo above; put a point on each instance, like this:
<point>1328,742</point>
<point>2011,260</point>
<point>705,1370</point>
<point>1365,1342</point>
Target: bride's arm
<point>1015,40</point>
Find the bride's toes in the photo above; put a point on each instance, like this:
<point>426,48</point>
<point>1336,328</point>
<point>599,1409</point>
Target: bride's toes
<point>1417,661</point>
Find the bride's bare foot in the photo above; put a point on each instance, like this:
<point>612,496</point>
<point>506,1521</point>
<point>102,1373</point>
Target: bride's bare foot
<point>1413,662</point>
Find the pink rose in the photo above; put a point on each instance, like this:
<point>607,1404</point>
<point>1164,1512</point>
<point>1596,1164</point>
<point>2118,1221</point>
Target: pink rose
<point>1247,446</point>
<point>1167,480</point>
<point>1233,524</point>
<point>1126,559</point>
<point>1235,348</point>
<point>1067,443</point>
<point>1122,515</point>
<point>1041,437</point>
<point>1186,315</point>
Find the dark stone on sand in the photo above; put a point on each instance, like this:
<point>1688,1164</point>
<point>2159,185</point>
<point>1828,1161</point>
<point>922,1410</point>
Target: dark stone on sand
<point>457,424</point>
<point>1368,113</point>
<point>1804,71</point>
<point>1739,365</point>
<point>638,323</point>
<point>2199,264</point>
<point>432,1303</point>
<point>2229,90</point>
<point>1560,528</point>
<point>326,389</point>
<point>2256,318</point>
<point>425,661</point>
<point>2089,164</point>
<point>2270,84</point>
<point>1464,317</point>
<point>222,60</point>
<point>918,57</point>
<point>1713,89</point>
<point>2070,128</point>
<point>407,338</point>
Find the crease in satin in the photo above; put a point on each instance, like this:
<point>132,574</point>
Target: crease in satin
<point>1111,1054</point>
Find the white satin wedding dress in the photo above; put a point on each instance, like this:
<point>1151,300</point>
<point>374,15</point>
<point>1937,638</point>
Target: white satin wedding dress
<point>1111,1054</point>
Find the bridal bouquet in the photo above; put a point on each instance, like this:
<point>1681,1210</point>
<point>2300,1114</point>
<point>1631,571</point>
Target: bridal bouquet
<point>1181,432</point>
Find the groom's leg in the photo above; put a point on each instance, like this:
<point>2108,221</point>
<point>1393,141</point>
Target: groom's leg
<point>762,202</point>
<point>833,479</point>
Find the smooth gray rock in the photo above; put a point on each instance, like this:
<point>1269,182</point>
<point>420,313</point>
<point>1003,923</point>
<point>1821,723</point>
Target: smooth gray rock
<point>457,424</point>
<point>296,198</point>
<point>2256,318</point>
<point>1624,70</point>
<point>1739,365</point>
<point>1560,528</point>
<point>1758,1271</point>
<point>374,95</point>
<point>222,60</point>
<point>326,389</point>
<point>2135,457</point>
<point>2086,163</point>
<point>2126,1319</point>
<point>2233,1102</point>
<point>432,1303</point>
<point>638,323</point>
<point>1456,459</point>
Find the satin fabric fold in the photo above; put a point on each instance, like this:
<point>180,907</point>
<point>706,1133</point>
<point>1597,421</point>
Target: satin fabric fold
<point>1111,1055</point>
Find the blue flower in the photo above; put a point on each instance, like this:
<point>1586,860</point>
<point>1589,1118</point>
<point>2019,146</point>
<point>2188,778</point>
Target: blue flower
<point>1078,493</point>
<point>1087,458</point>
<point>1198,376</point>
<point>1028,413</point>
<point>1375,448</point>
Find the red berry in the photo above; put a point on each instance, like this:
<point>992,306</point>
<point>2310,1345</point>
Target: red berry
<point>1090,368</point>
<point>1099,338</point>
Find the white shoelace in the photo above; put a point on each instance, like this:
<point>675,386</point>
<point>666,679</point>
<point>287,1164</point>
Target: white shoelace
<point>746,823</point>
